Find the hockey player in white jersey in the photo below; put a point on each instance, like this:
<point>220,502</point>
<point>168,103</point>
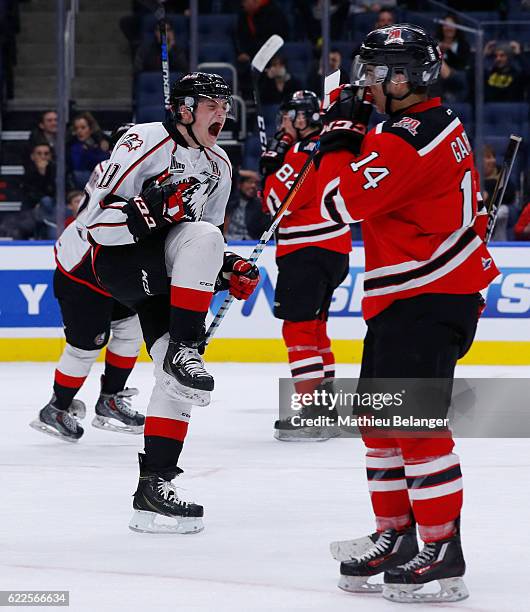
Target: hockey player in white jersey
<point>154,221</point>
<point>91,319</point>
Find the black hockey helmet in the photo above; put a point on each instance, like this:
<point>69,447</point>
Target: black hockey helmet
<point>189,88</point>
<point>306,102</point>
<point>403,49</point>
<point>118,133</point>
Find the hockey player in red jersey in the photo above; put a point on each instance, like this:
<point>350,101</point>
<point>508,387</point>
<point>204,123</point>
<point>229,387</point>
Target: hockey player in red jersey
<point>91,319</point>
<point>154,220</point>
<point>413,183</point>
<point>311,253</point>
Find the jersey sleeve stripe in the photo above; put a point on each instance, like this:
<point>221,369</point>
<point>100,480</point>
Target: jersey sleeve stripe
<point>139,161</point>
<point>440,138</point>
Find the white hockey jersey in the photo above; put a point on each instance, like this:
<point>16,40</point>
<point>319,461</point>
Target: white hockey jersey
<point>146,152</point>
<point>72,250</point>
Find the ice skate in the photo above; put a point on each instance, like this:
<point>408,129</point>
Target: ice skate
<point>183,375</point>
<point>325,428</point>
<point>114,413</point>
<point>441,561</point>
<point>346,550</point>
<point>58,423</point>
<point>390,548</point>
<point>157,507</point>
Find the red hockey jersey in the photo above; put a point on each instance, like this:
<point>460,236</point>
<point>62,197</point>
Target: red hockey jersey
<point>303,225</point>
<point>414,186</point>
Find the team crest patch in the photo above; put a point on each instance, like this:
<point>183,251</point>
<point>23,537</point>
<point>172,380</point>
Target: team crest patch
<point>99,339</point>
<point>132,142</point>
<point>486,263</point>
<point>394,37</point>
<point>409,124</point>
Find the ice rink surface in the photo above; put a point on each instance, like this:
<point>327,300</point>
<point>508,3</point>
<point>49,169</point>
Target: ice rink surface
<point>271,508</point>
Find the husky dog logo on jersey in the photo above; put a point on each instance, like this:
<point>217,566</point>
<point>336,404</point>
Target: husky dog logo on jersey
<point>132,142</point>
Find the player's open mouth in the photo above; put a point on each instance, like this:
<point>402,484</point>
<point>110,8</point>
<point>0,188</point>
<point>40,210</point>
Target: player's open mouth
<point>215,128</point>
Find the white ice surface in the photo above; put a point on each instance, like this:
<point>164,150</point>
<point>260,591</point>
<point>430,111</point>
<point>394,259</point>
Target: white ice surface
<point>271,508</point>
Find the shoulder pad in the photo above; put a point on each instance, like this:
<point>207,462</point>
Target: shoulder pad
<point>418,129</point>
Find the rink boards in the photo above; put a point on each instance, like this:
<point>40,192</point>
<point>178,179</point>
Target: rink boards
<point>31,328</point>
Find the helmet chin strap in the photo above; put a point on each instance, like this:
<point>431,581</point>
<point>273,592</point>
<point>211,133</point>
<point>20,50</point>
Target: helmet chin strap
<point>191,133</point>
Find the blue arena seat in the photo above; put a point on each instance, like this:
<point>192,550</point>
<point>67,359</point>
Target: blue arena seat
<point>147,114</point>
<point>217,52</point>
<point>148,89</point>
<point>216,27</point>
<point>179,23</point>
<point>251,153</point>
<point>270,112</point>
<point>298,56</point>
<point>503,118</point>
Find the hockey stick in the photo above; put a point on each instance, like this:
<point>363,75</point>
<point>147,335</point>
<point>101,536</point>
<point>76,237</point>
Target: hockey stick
<point>330,83</point>
<point>261,59</point>
<point>501,184</point>
<point>160,14</point>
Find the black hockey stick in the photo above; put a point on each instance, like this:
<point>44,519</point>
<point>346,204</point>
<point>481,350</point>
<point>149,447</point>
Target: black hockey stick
<point>501,184</point>
<point>331,82</point>
<point>261,59</point>
<point>160,14</point>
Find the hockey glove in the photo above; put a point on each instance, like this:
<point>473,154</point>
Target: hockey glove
<point>237,275</point>
<point>145,212</point>
<point>345,122</point>
<point>272,159</point>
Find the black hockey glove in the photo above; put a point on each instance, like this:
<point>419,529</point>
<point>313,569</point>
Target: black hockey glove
<point>237,275</point>
<point>273,158</point>
<point>145,212</point>
<point>160,205</point>
<point>345,121</point>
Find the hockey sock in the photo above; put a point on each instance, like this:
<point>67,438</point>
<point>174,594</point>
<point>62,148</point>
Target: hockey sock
<point>166,426</point>
<point>122,352</point>
<point>304,357</point>
<point>388,488</point>
<point>72,370</point>
<point>435,491</point>
<point>188,312</point>
<point>324,348</point>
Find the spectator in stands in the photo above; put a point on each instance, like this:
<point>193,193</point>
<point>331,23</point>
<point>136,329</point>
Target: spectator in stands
<point>453,86</point>
<point>88,147</point>
<point>257,21</point>
<point>308,14</point>
<point>148,57</point>
<point>38,187</point>
<point>385,18</point>
<point>315,78</point>
<point>522,227</point>
<point>507,209</point>
<point>46,130</point>
<point>277,84</point>
<point>504,81</point>
<point>73,202</point>
<point>245,219</point>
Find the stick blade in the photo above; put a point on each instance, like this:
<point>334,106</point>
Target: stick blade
<point>267,51</point>
<point>331,82</point>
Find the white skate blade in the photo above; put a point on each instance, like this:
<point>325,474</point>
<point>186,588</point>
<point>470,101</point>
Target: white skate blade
<point>304,435</point>
<point>359,584</point>
<point>451,589</point>
<point>346,550</point>
<point>108,424</point>
<point>51,431</point>
<point>152,522</point>
<point>77,408</point>
<point>188,395</point>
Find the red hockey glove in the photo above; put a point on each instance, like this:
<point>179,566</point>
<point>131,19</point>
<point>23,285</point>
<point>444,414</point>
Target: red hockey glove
<point>346,120</point>
<point>237,275</point>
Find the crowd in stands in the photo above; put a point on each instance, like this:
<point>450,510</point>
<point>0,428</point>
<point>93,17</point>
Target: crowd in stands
<point>235,30</point>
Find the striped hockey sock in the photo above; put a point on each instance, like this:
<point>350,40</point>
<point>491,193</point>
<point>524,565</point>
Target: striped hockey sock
<point>72,370</point>
<point>305,359</point>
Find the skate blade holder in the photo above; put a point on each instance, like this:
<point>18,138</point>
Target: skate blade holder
<point>152,522</point>
<point>188,395</point>
<point>47,429</point>
<point>346,550</point>
<point>359,584</point>
<point>107,424</point>
<point>451,589</point>
<point>304,435</point>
